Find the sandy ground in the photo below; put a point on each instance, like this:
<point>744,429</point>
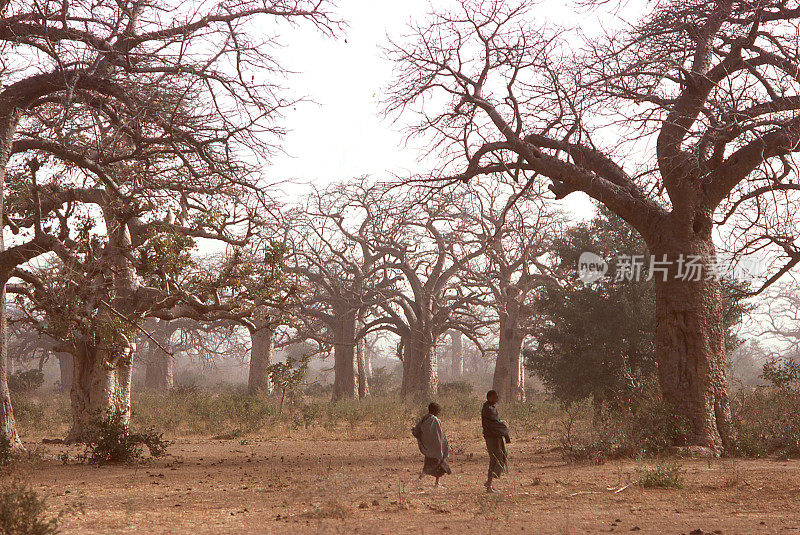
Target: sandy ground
<point>259,485</point>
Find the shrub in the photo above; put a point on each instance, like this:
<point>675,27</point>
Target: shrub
<point>458,388</point>
<point>6,451</point>
<point>381,381</point>
<point>28,411</point>
<point>654,428</point>
<point>766,421</point>
<point>113,443</point>
<point>23,512</point>
<point>25,382</point>
<point>316,389</point>
<point>204,411</point>
<point>663,476</point>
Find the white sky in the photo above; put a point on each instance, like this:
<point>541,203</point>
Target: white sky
<point>342,134</point>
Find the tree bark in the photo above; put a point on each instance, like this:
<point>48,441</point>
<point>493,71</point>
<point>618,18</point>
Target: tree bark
<point>368,361</point>
<point>8,126</point>
<point>66,367</point>
<point>420,373</point>
<point>262,341</point>
<point>160,366</point>
<point>509,375</point>
<point>691,348</point>
<point>101,387</point>
<point>363,380</point>
<point>159,373</point>
<point>8,428</point>
<point>457,354</point>
<point>344,356</point>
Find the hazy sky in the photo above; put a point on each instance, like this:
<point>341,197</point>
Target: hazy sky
<point>342,134</point>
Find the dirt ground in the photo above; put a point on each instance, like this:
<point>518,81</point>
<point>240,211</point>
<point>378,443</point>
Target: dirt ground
<point>261,485</point>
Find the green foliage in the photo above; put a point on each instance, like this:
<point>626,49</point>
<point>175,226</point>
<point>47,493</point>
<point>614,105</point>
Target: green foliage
<point>25,382</point>
<point>165,254</point>
<point>663,476</point>
<point>23,512</point>
<point>113,443</point>
<point>113,333</point>
<point>782,373</point>
<point>598,339</point>
<point>288,377</point>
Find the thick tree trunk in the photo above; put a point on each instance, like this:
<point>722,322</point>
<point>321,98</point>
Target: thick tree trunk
<point>363,381</point>
<point>368,361</point>
<point>159,371</point>
<point>160,366</point>
<point>101,387</point>
<point>509,374</point>
<point>457,355</point>
<point>344,356</point>
<point>66,367</point>
<point>8,428</point>
<point>420,374</point>
<point>691,348</point>
<point>262,342</point>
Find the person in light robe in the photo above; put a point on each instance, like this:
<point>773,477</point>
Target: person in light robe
<point>433,444</point>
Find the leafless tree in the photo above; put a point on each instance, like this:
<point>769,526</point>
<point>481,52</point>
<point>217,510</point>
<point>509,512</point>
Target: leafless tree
<point>514,231</point>
<point>332,250</point>
<point>670,122</point>
<point>427,246</point>
<point>780,318</point>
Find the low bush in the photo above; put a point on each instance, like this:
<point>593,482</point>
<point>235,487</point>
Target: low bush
<point>25,382</point>
<point>663,476</point>
<point>460,388</point>
<point>381,381</point>
<point>204,411</point>
<point>766,421</point>
<point>23,512</point>
<point>28,411</point>
<point>651,429</point>
<point>114,443</point>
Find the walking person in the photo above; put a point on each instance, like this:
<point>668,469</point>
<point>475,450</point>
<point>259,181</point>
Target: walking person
<point>497,435</point>
<point>433,444</point>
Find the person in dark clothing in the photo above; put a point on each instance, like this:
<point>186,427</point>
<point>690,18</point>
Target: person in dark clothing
<point>497,435</point>
<point>432,444</point>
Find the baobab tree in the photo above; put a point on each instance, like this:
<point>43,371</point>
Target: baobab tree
<point>515,231</point>
<point>426,247</point>
<point>250,288</point>
<point>669,122</point>
<point>159,353</point>
<point>331,249</point>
